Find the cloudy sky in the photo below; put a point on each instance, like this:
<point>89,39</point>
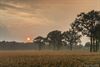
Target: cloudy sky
<point>20,19</point>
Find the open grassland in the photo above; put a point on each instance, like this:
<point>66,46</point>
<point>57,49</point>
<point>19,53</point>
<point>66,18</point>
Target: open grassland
<point>48,59</point>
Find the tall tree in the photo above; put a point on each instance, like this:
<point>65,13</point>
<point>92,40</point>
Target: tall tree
<point>71,38</point>
<point>97,36</point>
<point>55,38</point>
<point>97,32</point>
<point>85,23</point>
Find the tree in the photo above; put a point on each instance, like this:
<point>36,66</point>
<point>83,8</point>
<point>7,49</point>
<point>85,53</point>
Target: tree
<point>85,23</point>
<point>39,41</point>
<point>97,32</point>
<point>55,39</point>
<point>71,37</point>
<point>87,44</point>
<point>97,36</point>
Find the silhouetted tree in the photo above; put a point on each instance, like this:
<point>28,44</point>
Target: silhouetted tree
<point>97,36</point>
<point>39,41</point>
<point>97,32</point>
<point>87,44</point>
<point>55,38</point>
<point>71,38</point>
<point>85,23</point>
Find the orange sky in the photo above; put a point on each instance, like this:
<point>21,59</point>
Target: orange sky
<point>22,18</point>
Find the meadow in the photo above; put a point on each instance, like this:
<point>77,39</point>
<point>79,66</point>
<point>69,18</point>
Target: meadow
<point>49,59</point>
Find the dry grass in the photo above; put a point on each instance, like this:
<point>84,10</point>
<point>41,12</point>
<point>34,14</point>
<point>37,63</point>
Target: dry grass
<point>47,58</point>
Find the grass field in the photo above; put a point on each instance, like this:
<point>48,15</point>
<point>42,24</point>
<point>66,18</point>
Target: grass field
<point>48,59</point>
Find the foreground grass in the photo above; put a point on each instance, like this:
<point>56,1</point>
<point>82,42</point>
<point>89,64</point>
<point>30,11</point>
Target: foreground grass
<point>48,59</point>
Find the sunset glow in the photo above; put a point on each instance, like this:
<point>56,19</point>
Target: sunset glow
<point>29,39</point>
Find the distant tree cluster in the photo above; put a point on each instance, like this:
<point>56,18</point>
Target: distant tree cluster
<point>86,24</point>
<point>57,39</point>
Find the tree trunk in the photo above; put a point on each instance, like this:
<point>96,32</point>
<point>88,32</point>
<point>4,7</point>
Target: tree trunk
<point>91,46</point>
<point>97,45</point>
<point>71,46</point>
<point>92,39</point>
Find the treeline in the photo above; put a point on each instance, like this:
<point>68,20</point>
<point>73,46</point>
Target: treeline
<point>85,24</point>
<point>13,45</point>
<point>4,45</point>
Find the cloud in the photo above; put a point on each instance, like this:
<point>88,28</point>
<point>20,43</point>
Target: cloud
<point>4,32</point>
<point>56,10</point>
<point>18,6</point>
<point>38,17</point>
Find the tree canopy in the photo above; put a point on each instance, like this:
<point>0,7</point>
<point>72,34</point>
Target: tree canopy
<point>86,23</point>
<point>71,38</point>
<point>55,38</point>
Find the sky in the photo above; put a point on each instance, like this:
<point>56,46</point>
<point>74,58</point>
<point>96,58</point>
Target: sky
<point>20,19</point>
